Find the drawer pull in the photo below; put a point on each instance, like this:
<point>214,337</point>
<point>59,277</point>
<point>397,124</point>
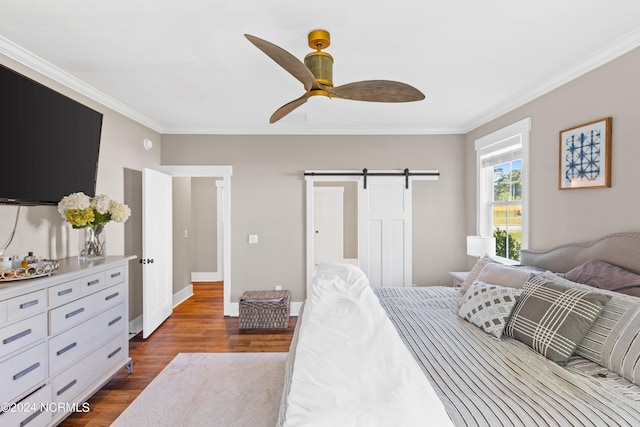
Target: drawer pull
<point>67,387</point>
<point>114,275</point>
<point>17,336</point>
<point>67,348</point>
<point>114,321</point>
<point>30,418</point>
<point>93,282</point>
<point>66,291</point>
<point>107,298</point>
<point>26,371</point>
<point>29,304</point>
<point>114,352</point>
<point>74,312</point>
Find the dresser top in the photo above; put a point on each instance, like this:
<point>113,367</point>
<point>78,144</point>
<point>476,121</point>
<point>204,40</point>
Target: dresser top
<point>69,269</point>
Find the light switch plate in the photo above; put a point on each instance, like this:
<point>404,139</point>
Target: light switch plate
<point>253,239</point>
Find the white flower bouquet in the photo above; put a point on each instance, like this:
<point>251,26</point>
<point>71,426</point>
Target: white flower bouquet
<point>83,211</point>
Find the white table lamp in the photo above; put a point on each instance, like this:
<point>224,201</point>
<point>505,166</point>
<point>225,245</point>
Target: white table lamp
<point>479,246</point>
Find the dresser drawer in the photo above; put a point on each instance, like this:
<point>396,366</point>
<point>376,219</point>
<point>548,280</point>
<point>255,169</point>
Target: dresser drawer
<point>26,305</point>
<point>78,341</point>
<point>90,284</point>
<point>22,373</point>
<point>64,292</point>
<point>29,412</point>
<point>67,386</point>
<point>71,314</point>
<point>110,297</point>
<point>115,275</point>
<point>3,312</point>
<point>21,334</point>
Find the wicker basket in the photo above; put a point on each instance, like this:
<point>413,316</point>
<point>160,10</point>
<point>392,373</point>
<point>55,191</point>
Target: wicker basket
<point>264,309</point>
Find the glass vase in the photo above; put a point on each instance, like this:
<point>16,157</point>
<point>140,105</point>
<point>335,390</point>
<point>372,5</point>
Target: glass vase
<point>92,243</point>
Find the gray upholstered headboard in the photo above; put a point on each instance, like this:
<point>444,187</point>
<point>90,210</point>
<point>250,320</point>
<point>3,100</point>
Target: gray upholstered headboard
<point>622,249</point>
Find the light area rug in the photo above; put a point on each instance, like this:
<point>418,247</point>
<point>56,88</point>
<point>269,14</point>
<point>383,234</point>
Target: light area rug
<point>211,389</point>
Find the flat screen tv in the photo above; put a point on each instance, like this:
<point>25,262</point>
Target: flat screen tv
<point>49,143</point>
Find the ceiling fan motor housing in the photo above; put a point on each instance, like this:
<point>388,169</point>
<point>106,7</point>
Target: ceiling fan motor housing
<point>321,65</point>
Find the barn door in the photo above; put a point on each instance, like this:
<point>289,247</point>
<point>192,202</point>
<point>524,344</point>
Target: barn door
<point>385,227</point>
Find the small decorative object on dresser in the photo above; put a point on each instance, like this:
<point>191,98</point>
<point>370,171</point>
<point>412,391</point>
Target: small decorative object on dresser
<point>90,215</point>
<point>264,309</point>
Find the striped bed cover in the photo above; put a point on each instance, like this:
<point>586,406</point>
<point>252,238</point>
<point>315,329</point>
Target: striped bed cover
<point>483,381</point>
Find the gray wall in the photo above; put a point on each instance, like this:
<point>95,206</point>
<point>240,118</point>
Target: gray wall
<point>268,197</point>
<point>181,187</point>
<point>204,250</point>
<point>577,215</point>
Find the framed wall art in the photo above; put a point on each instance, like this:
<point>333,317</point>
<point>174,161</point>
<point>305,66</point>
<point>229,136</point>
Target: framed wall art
<point>585,156</point>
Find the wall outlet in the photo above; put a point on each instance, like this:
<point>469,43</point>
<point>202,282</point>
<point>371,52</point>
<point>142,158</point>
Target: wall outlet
<point>278,288</point>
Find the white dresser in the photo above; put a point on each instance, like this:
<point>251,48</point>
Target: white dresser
<point>62,338</point>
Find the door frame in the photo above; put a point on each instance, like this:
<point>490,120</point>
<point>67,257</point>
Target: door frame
<point>225,173</point>
<point>310,196</point>
<point>337,177</point>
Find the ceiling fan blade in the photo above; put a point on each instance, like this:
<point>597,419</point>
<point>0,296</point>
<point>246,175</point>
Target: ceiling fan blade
<point>287,108</point>
<point>287,61</point>
<point>377,91</point>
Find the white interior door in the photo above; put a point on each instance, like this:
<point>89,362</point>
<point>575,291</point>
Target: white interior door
<point>157,257</point>
<point>328,224</point>
<point>384,231</point>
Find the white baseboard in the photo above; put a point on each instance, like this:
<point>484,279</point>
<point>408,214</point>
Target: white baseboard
<point>206,276</point>
<point>182,295</point>
<point>135,326</point>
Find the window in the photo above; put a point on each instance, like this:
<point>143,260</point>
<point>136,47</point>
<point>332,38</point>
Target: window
<point>503,188</point>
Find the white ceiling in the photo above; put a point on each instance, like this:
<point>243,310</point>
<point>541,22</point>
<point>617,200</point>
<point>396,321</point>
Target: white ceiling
<point>185,67</point>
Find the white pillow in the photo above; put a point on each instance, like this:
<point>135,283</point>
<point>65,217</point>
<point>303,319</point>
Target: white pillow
<point>489,307</point>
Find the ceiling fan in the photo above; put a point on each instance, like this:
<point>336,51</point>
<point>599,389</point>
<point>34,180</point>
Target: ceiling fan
<point>316,75</point>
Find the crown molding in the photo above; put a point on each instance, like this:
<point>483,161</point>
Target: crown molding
<point>275,130</point>
<point>597,59</point>
<point>28,59</point>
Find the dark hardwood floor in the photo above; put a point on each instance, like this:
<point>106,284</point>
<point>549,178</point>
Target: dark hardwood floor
<point>196,326</point>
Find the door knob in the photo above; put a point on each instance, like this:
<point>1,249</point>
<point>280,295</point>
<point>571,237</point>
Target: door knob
<point>146,261</point>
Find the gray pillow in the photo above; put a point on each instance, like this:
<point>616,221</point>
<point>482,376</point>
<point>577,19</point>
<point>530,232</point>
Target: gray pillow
<point>552,318</point>
<point>503,275</point>
<point>614,339</point>
<point>603,275</point>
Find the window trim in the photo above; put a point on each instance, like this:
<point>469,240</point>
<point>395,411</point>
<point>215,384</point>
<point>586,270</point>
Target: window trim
<point>517,133</point>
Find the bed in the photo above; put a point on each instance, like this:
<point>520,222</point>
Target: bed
<point>409,356</point>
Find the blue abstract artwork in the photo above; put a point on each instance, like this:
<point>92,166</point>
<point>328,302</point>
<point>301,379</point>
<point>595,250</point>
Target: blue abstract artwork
<point>583,154</point>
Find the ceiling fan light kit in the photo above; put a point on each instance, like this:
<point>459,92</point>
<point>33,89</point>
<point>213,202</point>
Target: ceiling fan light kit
<point>316,75</point>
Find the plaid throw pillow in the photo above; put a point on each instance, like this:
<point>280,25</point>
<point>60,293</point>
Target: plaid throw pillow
<point>489,306</point>
<point>553,319</point>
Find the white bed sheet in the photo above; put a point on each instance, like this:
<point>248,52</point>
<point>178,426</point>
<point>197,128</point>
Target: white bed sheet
<point>345,334</point>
